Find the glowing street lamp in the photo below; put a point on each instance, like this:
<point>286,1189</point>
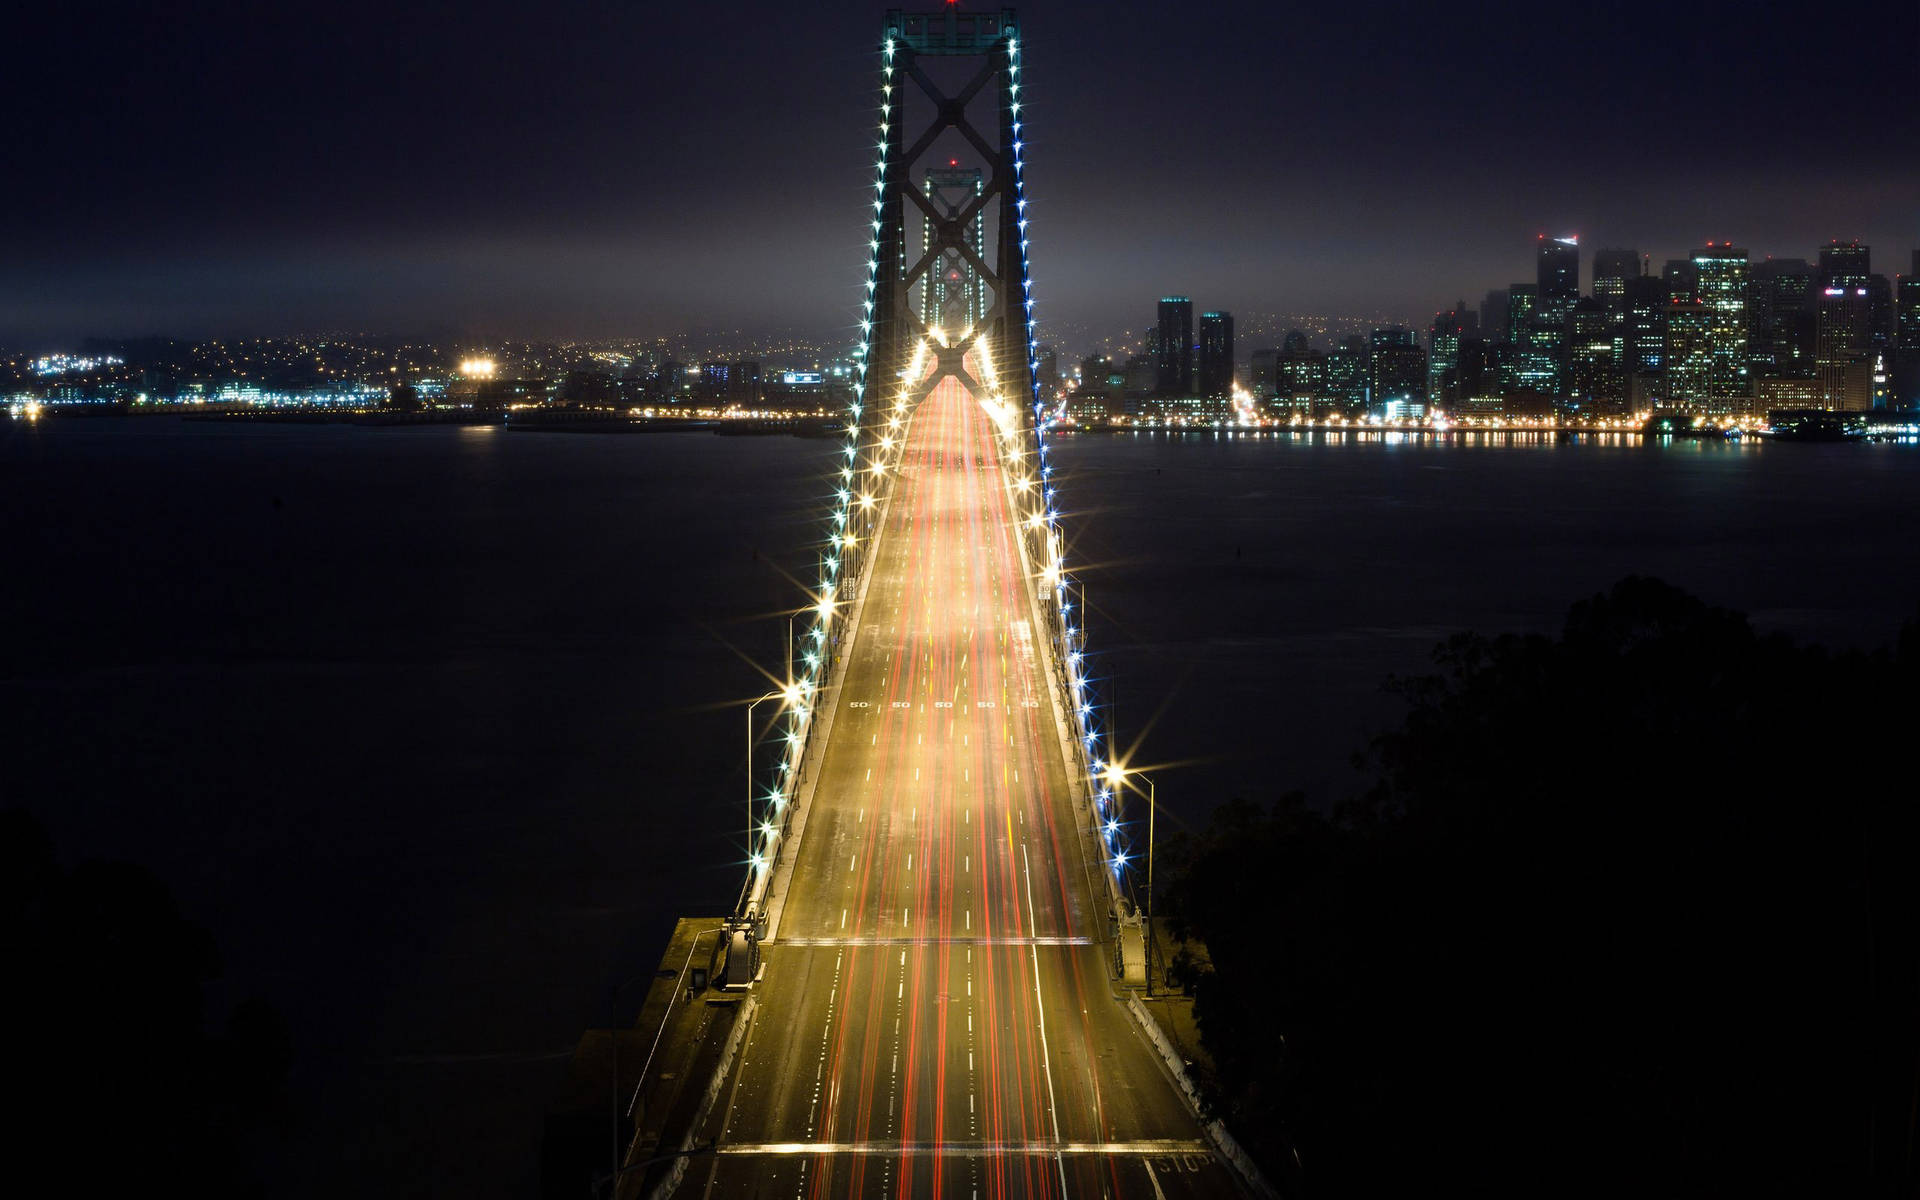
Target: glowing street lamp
<point>786,696</point>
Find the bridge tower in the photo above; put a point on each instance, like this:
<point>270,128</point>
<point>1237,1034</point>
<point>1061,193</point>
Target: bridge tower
<point>960,72</point>
<point>951,294</point>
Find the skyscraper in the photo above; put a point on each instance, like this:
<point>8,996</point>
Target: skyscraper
<point>1689,355</point>
<point>1262,374</point>
<point>1443,343</point>
<point>1681,278</point>
<point>1594,383</point>
<point>1543,347</point>
<point>1300,375</point>
<point>1906,338</point>
<point>1880,320</point>
<point>1216,355</point>
<point>1841,346</point>
<point>1843,325</point>
<point>1396,374</point>
<point>1173,354</point>
<point>1721,271</point>
<point>1611,270</point>
<point>1845,264</point>
<point>1646,336</point>
<point>1493,316</point>
<point>1537,337</point>
<point>1346,376</point>
<point>1557,264</point>
<point>1780,318</point>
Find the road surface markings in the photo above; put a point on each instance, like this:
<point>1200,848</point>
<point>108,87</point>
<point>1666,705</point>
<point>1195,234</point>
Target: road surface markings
<point>1143,1146</point>
<point>1040,1005</point>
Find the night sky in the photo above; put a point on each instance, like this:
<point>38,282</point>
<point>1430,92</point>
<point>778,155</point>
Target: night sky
<point>578,169</point>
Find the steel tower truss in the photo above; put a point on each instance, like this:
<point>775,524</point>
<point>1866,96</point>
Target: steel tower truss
<point>950,292</point>
<point>898,335</point>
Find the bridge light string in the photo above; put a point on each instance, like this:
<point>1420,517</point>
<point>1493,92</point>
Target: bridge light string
<point>812,656</point>
<point>1044,514</point>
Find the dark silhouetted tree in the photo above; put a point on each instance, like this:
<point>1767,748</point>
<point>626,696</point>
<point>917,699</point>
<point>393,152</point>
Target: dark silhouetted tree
<point>1633,910</point>
<point>117,1083</point>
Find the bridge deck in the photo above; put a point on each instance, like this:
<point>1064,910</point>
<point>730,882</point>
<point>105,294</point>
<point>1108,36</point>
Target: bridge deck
<point>936,1015</point>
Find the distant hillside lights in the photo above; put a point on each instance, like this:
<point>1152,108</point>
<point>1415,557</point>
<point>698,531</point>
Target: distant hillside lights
<point>73,364</point>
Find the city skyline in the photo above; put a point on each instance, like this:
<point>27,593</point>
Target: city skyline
<point>587,176</point>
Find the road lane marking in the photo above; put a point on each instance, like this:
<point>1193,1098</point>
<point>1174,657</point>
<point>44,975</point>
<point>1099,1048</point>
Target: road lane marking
<point>1143,1146</point>
<point>1040,1005</point>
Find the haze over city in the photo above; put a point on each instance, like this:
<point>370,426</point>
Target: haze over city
<point>598,169</point>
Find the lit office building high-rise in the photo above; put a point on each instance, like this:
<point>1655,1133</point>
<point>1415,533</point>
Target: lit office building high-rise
<point>1557,264</point>
<point>1682,279</point>
<point>1843,325</point>
<point>1537,336</point>
<point>1396,375</point>
<point>1611,270</point>
<point>1845,264</point>
<point>1721,271</point>
<point>1594,384</point>
<point>951,294</point>
<point>1216,355</point>
<point>1646,339</point>
<point>1173,350</point>
<point>1542,348</point>
<point>1300,375</point>
<point>1841,352</point>
<point>1689,355</point>
<point>1906,338</point>
<point>1780,318</point>
<point>1880,320</point>
<point>1443,342</point>
<point>1346,376</point>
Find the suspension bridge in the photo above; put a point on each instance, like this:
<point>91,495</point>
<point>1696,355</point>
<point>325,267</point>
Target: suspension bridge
<point>931,952</point>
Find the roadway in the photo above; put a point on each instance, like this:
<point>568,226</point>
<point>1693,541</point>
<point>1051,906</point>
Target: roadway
<point>936,1015</point>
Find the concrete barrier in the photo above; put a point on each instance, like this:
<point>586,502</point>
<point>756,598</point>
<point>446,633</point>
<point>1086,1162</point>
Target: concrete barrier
<point>1216,1131</point>
<point>743,1018</point>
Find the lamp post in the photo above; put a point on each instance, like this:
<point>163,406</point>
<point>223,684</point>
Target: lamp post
<point>751,705</point>
<point>1152,809</point>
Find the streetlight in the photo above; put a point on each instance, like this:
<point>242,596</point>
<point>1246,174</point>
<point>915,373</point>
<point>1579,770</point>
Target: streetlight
<point>786,694</point>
